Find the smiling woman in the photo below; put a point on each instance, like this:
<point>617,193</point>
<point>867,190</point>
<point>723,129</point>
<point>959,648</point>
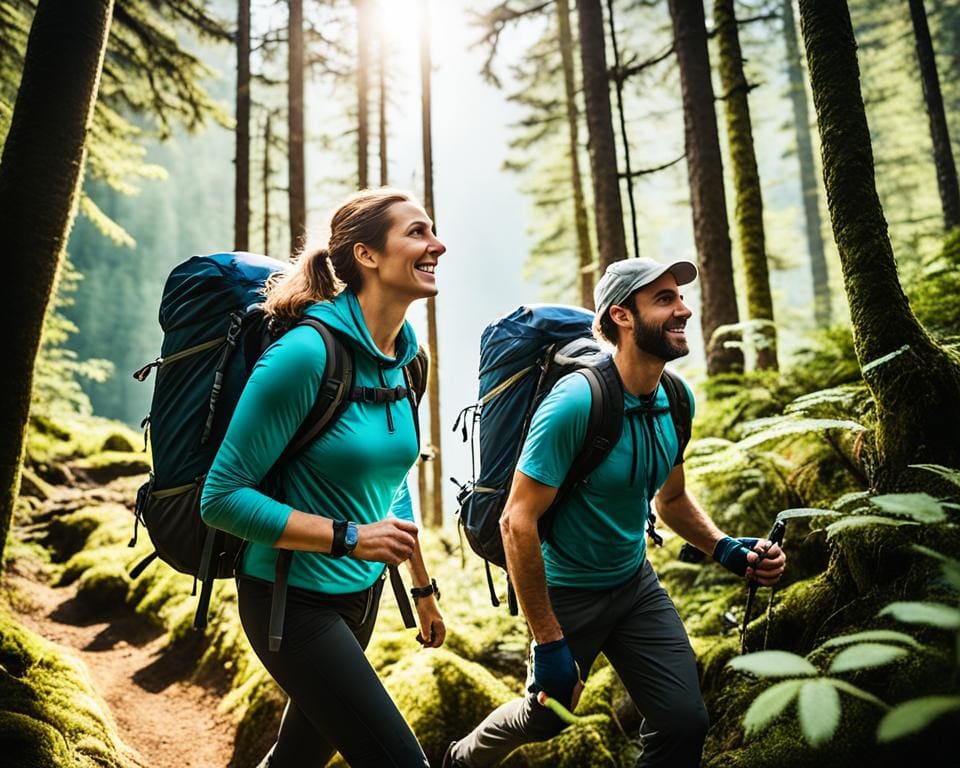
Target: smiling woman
<point>346,509</point>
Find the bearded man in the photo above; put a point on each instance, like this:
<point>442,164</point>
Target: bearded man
<point>589,588</point>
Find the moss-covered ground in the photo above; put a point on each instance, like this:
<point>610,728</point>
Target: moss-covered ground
<point>833,587</point>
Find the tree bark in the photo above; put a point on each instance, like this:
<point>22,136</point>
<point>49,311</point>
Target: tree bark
<point>40,173</point>
<point>932,96</point>
<point>581,222</point>
<point>746,182</point>
<point>382,106</point>
<point>363,93</point>
<point>241,197</point>
<point>822,299</point>
<point>718,299</point>
<point>267,180</point>
<point>914,381</point>
<point>611,241</point>
<point>435,519</point>
<point>295,149</point>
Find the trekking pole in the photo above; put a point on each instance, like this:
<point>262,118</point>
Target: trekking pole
<point>775,537</point>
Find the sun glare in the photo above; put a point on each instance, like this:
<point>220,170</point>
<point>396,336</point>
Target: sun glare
<point>399,22</point>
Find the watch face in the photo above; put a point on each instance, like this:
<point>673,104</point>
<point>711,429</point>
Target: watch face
<point>350,539</point>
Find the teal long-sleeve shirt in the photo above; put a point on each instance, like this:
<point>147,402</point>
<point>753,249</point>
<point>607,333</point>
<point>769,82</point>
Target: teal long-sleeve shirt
<point>355,471</point>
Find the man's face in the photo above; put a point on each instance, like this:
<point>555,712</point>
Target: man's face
<point>660,319</point>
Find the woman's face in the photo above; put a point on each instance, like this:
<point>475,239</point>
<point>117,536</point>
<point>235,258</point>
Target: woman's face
<point>410,253</point>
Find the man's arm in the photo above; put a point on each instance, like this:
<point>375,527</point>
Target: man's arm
<point>527,503</point>
<point>677,507</point>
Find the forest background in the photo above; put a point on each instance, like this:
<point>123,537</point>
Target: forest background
<point>691,118</point>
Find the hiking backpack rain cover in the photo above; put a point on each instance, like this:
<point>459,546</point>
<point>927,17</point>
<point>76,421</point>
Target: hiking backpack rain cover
<point>209,313</point>
<point>522,356</point>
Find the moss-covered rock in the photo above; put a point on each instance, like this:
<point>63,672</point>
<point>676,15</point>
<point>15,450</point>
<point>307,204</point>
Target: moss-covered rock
<point>104,587</point>
<point>585,744</point>
<point>107,466</point>
<point>50,716</point>
<point>119,442</point>
<point>33,485</point>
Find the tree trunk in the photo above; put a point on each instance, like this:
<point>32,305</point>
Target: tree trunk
<point>942,152</point>
<point>625,140</point>
<point>581,222</point>
<point>295,150</point>
<point>382,105</point>
<point>746,181</point>
<point>433,392</point>
<point>363,93</point>
<point>241,197</point>
<point>822,300</point>
<point>267,181</point>
<point>718,299</point>
<point>40,173</point>
<point>611,241</point>
<point>914,381</point>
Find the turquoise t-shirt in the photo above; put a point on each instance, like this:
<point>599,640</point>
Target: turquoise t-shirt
<point>355,471</point>
<point>598,535</point>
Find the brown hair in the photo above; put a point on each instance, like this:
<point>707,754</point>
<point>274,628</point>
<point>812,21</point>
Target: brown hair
<point>322,273</point>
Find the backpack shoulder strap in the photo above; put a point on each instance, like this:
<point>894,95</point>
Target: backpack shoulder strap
<point>680,410</point>
<point>332,398</point>
<point>416,373</point>
<point>603,431</point>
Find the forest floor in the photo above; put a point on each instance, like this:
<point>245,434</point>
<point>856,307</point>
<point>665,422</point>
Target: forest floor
<point>165,719</point>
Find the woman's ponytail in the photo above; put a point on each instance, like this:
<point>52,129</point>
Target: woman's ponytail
<point>311,279</point>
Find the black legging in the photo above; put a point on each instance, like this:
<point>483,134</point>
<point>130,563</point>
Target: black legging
<point>337,702</point>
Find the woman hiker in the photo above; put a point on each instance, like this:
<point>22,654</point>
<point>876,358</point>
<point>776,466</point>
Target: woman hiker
<point>342,504</point>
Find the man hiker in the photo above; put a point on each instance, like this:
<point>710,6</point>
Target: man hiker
<point>588,588</point>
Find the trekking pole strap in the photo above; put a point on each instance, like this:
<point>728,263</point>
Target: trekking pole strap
<point>278,599</point>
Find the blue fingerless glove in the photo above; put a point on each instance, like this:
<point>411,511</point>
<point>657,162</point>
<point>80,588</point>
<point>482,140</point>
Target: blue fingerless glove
<point>732,553</point>
<point>554,671</point>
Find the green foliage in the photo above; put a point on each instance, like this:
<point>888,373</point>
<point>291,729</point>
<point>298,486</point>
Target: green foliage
<point>818,710</point>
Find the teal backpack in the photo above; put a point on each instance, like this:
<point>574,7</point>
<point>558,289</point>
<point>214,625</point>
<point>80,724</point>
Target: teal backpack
<point>215,330</point>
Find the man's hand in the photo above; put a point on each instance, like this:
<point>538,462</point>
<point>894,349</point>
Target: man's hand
<point>556,672</point>
<point>758,559</point>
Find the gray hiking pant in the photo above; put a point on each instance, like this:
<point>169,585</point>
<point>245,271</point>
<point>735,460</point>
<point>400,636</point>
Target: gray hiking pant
<point>638,629</point>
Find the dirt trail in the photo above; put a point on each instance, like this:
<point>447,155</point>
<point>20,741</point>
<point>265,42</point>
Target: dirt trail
<point>167,721</point>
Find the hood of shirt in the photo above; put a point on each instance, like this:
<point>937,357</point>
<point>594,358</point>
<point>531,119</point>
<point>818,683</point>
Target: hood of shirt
<point>344,314</point>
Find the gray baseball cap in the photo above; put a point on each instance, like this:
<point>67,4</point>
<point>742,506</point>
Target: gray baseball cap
<point>624,277</point>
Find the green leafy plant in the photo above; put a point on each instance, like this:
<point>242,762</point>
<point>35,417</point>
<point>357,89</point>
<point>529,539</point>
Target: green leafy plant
<point>817,690</point>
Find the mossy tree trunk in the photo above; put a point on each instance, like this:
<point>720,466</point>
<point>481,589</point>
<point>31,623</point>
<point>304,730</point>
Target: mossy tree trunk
<point>581,223</point>
<point>363,92</point>
<point>939,134</point>
<point>40,173</point>
<point>810,188</point>
<point>241,197</point>
<point>297,195</point>
<point>718,299</point>
<point>611,240</point>
<point>433,515</point>
<point>914,381</point>
<point>746,181</point>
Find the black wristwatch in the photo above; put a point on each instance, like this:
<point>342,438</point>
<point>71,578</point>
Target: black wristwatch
<point>430,589</point>
<point>345,536</point>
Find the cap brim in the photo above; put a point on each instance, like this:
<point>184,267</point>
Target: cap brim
<point>684,271</point>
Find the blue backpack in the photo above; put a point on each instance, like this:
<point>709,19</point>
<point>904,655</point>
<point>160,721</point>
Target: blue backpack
<point>215,330</point>
<point>522,356</point>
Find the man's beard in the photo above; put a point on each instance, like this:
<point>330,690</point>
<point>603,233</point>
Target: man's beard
<point>653,339</point>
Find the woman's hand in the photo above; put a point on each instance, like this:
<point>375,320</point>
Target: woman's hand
<point>389,541</point>
<point>432,629</point>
